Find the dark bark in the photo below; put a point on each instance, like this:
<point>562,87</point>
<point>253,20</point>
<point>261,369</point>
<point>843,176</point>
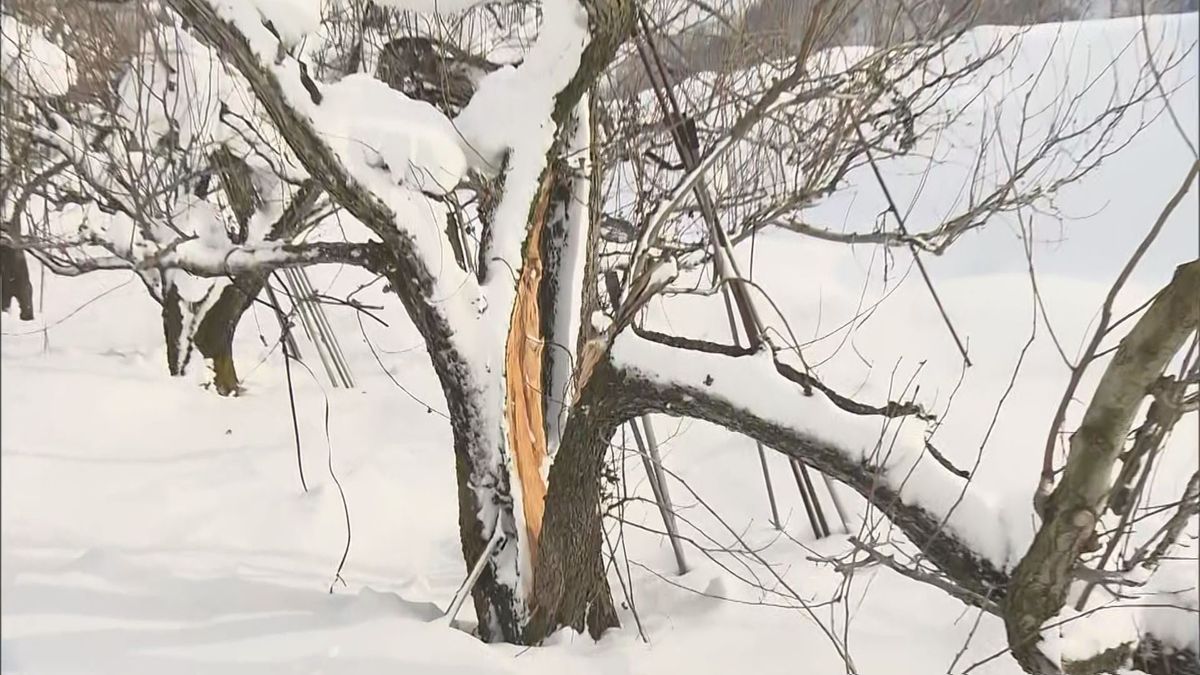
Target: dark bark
<point>175,331</point>
<point>215,332</point>
<point>570,587</point>
<point>590,298</point>
<point>429,70</point>
<point>14,281</point>
<point>555,273</point>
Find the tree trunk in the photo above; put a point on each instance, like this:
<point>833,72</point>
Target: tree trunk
<point>485,499</point>
<point>215,333</point>
<point>570,585</point>
<point>176,331</point>
<point>1040,582</point>
<point>14,284</point>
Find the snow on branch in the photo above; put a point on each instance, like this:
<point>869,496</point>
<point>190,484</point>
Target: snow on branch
<point>201,258</point>
<point>30,63</point>
<point>880,452</point>
<point>512,122</point>
<point>880,456</point>
<point>379,169</point>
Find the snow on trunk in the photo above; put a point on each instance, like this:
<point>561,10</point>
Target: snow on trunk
<point>562,286</point>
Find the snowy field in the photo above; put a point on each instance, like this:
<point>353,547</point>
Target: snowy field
<point>151,527</point>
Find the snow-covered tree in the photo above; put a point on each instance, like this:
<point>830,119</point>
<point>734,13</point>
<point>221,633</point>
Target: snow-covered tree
<point>157,144</point>
<point>485,202</point>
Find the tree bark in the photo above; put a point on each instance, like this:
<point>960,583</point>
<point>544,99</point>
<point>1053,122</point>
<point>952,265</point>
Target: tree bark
<point>215,332</point>
<point>1042,579</point>
<point>570,586</point>
<point>14,282</point>
<point>176,331</point>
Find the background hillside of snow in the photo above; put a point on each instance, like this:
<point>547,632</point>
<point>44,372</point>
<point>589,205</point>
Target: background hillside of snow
<point>152,527</point>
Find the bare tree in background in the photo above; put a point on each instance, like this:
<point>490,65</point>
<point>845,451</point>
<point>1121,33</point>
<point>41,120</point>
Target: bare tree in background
<point>148,145</point>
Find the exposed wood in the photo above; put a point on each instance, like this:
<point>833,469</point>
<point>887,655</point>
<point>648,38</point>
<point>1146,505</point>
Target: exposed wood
<point>523,376</point>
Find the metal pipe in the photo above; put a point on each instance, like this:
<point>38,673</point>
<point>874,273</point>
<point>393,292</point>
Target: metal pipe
<point>669,509</point>
<point>658,486</point>
<point>808,509</point>
<point>762,457</point>
<point>837,503</point>
<point>476,570</point>
<point>812,490</point>
<point>325,329</point>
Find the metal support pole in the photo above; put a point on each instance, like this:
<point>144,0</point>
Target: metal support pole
<point>689,153</point>
<point>325,329</point>
<point>304,310</point>
<point>762,457</point>
<point>837,504</point>
<point>804,496</point>
<point>648,449</point>
<point>812,491</point>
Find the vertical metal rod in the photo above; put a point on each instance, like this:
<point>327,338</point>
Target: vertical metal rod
<point>669,508</point>
<point>812,519</point>
<point>657,485</point>
<point>762,457</point>
<point>816,502</point>
<point>303,308</point>
<point>648,449</point>
<point>837,504</point>
<point>325,330</point>
<point>298,304</point>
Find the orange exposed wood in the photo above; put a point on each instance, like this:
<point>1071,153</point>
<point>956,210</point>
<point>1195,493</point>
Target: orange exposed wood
<point>523,378</point>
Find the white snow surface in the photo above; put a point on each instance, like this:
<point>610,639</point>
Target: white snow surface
<point>369,123</point>
<point>149,526</point>
<point>31,62</point>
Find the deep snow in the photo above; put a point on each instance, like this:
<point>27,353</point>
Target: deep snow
<point>149,526</point>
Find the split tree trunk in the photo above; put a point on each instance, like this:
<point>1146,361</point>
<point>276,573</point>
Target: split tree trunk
<point>475,400</point>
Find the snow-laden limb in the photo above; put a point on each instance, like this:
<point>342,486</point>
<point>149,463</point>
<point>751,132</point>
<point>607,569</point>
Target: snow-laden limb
<point>370,169</point>
<point>881,457</point>
<point>200,257</point>
<point>511,124</point>
<point>880,453</point>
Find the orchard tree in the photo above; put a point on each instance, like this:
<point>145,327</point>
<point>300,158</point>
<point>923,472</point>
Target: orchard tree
<point>484,194</point>
<point>145,143</point>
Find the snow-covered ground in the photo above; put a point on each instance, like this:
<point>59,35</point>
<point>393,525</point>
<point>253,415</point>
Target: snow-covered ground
<point>150,526</point>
